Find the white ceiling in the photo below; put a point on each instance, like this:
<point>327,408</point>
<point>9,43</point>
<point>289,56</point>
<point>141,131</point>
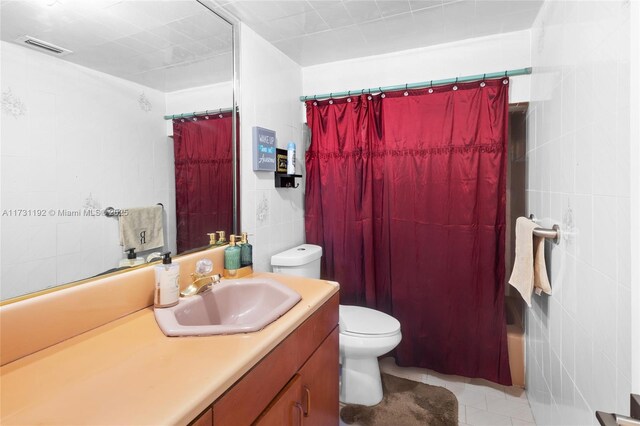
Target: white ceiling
<point>168,45</point>
<point>175,44</point>
<point>319,31</point>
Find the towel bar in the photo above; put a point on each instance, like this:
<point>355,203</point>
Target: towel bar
<point>552,234</point>
<point>111,212</point>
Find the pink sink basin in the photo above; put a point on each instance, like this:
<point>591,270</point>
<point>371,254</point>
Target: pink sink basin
<point>232,306</point>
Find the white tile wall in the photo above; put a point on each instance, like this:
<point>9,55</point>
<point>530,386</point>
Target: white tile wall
<point>270,84</point>
<point>210,97</point>
<point>578,350</point>
<point>468,57</point>
<point>83,135</point>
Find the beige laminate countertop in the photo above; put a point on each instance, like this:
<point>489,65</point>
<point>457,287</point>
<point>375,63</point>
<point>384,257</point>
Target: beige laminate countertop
<point>128,372</point>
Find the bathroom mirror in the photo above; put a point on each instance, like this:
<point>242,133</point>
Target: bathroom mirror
<point>86,86</point>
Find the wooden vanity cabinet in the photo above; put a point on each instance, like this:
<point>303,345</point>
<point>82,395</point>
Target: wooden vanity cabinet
<point>204,419</point>
<point>295,384</point>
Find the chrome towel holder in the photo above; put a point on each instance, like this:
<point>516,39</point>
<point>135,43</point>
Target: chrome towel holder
<point>551,234</point>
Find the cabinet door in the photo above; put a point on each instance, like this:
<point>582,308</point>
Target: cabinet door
<point>285,409</point>
<point>205,419</point>
<point>320,384</point>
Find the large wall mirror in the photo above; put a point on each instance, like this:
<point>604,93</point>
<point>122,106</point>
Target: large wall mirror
<point>98,99</point>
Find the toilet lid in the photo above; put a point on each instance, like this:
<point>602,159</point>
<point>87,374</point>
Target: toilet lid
<point>359,320</point>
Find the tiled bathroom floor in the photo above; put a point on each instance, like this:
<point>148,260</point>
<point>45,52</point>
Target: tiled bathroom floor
<point>480,402</point>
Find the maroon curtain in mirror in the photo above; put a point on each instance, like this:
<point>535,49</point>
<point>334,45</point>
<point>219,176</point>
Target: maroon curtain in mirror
<point>406,194</point>
<point>204,178</point>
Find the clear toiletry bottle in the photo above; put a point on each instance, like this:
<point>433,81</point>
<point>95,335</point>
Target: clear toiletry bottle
<point>232,255</point>
<point>291,158</point>
<point>246,251</point>
<point>132,259</point>
<point>167,291</point>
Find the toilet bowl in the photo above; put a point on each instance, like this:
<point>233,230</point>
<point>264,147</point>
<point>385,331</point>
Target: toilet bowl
<point>365,333</point>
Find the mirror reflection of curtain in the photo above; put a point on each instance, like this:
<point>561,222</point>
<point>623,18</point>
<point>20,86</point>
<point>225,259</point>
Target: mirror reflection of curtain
<point>204,178</point>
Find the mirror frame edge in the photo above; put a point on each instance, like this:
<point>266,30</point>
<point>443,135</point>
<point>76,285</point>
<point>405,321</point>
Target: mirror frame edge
<point>235,31</point>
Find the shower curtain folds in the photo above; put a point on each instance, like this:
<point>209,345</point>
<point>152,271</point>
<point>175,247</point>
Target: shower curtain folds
<point>406,194</point>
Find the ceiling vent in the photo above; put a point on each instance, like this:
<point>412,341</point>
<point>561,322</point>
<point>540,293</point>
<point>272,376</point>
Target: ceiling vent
<point>43,46</point>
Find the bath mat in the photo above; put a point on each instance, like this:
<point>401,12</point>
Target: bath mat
<point>405,403</point>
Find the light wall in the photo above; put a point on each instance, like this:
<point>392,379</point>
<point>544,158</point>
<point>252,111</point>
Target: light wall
<point>73,138</point>
<point>270,84</point>
<point>634,94</point>
<point>579,338</point>
<point>210,97</point>
<point>468,57</point>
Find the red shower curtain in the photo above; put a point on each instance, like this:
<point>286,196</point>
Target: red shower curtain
<point>406,194</point>
<point>204,178</point>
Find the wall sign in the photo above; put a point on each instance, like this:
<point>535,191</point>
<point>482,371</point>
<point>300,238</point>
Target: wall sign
<point>264,149</point>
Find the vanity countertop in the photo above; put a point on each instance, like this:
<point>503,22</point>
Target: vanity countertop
<point>129,372</point>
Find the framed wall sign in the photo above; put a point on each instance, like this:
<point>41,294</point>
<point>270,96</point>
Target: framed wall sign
<point>264,149</point>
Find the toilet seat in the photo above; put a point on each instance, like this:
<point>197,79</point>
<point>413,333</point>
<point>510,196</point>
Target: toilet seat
<point>366,323</point>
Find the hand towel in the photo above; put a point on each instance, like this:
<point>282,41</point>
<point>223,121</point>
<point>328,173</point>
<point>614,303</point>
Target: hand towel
<point>529,269</point>
<point>141,228</point>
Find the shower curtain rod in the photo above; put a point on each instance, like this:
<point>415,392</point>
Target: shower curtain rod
<point>198,113</point>
<point>477,77</point>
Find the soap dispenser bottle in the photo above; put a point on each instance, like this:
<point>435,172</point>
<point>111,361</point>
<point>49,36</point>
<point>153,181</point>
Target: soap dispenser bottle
<point>246,251</point>
<point>232,255</point>
<point>167,291</point>
<point>222,240</point>
<point>132,259</point>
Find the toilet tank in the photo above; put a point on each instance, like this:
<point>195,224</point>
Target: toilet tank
<point>303,260</point>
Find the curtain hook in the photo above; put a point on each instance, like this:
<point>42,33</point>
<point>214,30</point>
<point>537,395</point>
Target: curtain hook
<point>431,87</point>
<point>305,98</point>
<point>505,74</point>
<point>382,95</point>
<point>482,83</point>
<point>331,98</point>
<point>362,92</point>
<point>455,84</point>
<point>406,89</point>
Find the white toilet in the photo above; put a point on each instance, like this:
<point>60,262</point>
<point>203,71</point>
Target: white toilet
<point>365,334</point>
